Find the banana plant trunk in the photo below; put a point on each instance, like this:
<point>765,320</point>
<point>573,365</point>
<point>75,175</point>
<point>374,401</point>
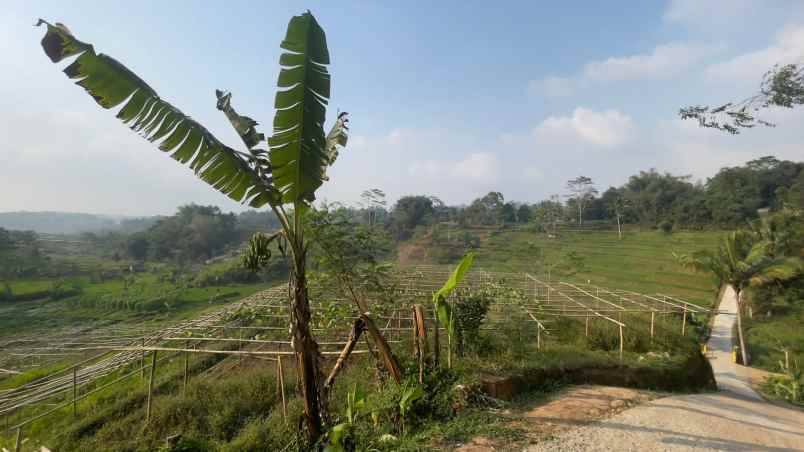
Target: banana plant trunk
<point>743,350</point>
<point>306,349</point>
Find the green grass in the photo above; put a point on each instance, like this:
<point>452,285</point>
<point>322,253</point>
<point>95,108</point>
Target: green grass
<point>766,336</point>
<point>28,286</point>
<point>104,304</point>
<point>642,261</point>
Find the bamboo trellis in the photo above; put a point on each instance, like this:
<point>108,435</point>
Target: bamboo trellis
<point>110,350</point>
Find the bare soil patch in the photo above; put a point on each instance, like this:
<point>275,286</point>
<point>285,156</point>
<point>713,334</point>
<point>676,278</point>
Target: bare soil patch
<point>572,407</point>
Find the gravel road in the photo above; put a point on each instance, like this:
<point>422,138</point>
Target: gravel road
<point>735,418</point>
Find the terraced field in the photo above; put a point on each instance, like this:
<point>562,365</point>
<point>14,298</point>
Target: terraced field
<point>642,261</point>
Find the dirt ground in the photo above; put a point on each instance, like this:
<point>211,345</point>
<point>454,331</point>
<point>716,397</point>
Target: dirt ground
<point>574,406</point>
<point>734,418</point>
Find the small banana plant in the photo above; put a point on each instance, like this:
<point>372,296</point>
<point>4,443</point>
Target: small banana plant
<point>443,308</point>
<point>340,434</point>
<point>408,400</point>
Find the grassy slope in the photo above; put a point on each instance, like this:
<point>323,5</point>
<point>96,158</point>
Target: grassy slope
<point>767,335</point>
<point>641,261</point>
<point>30,317</point>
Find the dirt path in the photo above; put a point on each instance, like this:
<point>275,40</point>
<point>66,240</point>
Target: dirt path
<point>735,418</point>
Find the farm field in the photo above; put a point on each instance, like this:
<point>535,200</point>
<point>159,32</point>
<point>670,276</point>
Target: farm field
<point>642,261</point>
<point>79,309</point>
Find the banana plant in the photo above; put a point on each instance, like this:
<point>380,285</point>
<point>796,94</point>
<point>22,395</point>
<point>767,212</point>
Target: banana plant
<point>285,176</point>
<point>443,309</point>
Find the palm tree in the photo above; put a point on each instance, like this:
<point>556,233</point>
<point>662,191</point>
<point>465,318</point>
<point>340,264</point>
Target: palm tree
<point>288,173</point>
<point>742,259</point>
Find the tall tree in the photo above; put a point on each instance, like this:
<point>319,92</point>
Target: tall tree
<point>409,212</point>
<point>523,213</point>
<point>617,208</point>
<point>581,191</point>
<point>508,212</point>
<point>288,174</point>
<point>374,202</point>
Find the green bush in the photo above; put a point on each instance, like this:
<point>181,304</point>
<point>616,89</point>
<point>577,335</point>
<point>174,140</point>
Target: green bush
<point>61,289</point>
<point>233,272</point>
<point>6,294</point>
<point>470,309</point>
<point>787,387</point>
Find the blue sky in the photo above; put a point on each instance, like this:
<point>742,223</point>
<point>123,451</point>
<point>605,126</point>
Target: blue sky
<point>451,100</point>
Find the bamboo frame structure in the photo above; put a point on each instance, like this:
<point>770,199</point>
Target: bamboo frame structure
<point>107,351</point>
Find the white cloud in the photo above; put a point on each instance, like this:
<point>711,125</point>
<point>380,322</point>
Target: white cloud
<point>409,161</point>
<point>476,168</point>
<point>552,87</point>
<point>604,129</point>
<point>664,61</point>
<point>708,13</point>
<point>533,173</point>
<point>479,166</point>
<point>788,47</point>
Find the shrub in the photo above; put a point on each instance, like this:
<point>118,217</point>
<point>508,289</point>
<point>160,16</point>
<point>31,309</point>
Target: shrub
<point>60,290</point>
<point>232,272</point>
<point>470,309</point>
<point>787,387</point>
<point>6,294</point>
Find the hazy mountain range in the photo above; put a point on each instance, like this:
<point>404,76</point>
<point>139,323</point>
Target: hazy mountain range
<point>70,223</point>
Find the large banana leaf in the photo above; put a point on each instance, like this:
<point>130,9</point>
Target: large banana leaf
<point>112,84</point>
<point>299,155</point>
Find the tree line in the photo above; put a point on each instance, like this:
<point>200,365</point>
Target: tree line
<point>650,198</point>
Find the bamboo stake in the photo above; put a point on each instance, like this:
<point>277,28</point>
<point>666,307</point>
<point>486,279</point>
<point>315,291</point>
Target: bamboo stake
<point>75,391</point>
<point>684,321</point>
<point>240,347</point>
<point>415,335</point>
<point>652,316</point>
<point>436,339</point>
<point>281,374</point>
<point>449,338</point>
<point>142,359</point>
<point>621,344</point>
<point>150,388</point>
<point>18,442</point>
<point>421,338</point>
<point>186,367</point>
<point>587,325</point>
<point>398,324</point>
<point>538,338</point>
